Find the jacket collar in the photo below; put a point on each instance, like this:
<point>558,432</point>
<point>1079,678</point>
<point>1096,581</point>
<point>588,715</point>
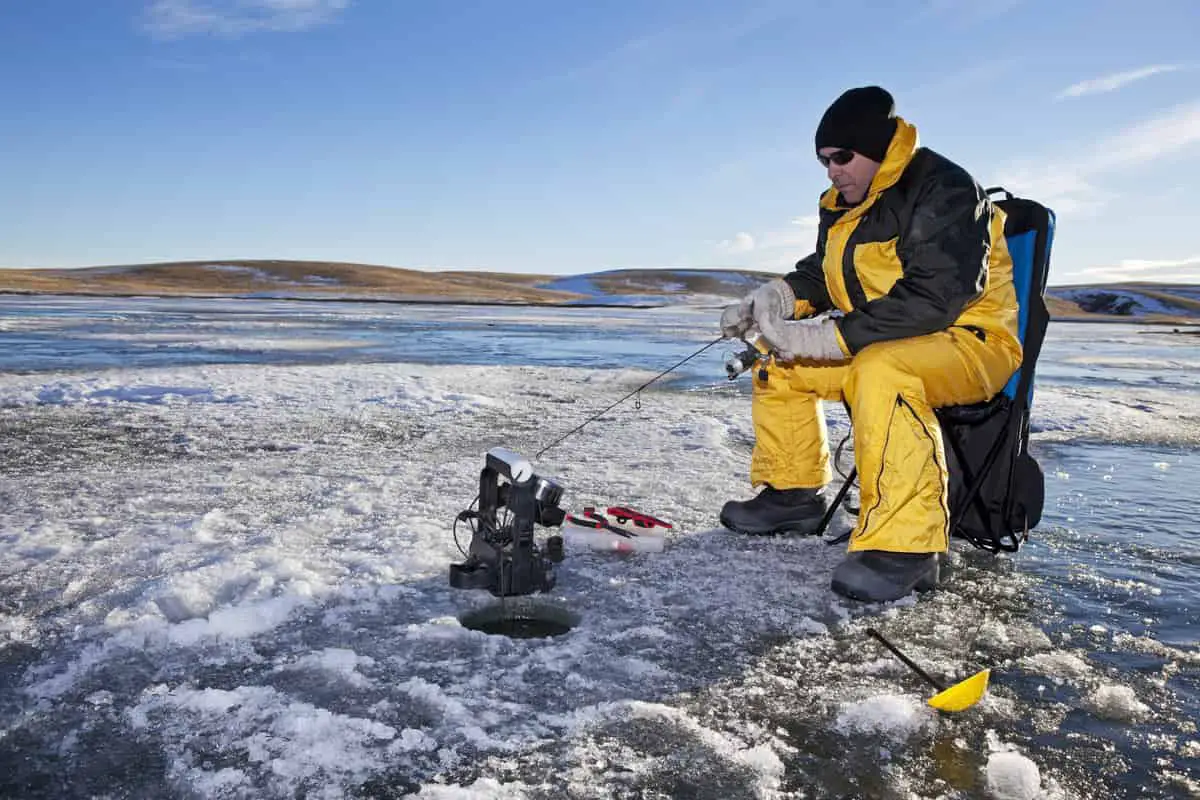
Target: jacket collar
<point>900,152</point>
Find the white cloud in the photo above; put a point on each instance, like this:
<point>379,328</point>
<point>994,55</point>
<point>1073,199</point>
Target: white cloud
<point>1110,83</point>
<point>740,243</point>
<point>1148,140</point>
<point>1138,264</point>
<point>1140,269</point>
<point>1061,188</point>
<point>1067,184</point>
<point>777,249</point>
<point>801,235</point>
<point>173,18</point>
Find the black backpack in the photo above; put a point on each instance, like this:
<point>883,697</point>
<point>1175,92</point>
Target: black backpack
<point>997,488</point>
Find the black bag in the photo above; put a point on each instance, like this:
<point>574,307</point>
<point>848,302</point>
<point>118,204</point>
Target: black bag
<point>997,488</point>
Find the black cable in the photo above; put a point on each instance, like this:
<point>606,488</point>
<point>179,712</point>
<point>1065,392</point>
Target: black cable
<point>837,455</point>
<point>594,417</point>
<point>505,524</point>
<point>465,516</point>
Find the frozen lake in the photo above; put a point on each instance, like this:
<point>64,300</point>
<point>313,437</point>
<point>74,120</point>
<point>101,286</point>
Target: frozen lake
<point>225,528</point>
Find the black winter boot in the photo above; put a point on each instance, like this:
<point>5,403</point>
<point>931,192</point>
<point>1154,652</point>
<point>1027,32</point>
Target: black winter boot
<point>878,576</point>
<point>776,511</point>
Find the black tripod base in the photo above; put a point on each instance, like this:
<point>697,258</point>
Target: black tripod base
<point>472,576</point>
<point>504,578</point>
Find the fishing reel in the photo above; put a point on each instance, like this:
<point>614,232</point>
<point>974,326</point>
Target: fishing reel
<point>503,556</point>
<point>757,350</point>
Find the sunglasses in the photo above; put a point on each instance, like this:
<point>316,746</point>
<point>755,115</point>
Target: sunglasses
<point>839,157</point>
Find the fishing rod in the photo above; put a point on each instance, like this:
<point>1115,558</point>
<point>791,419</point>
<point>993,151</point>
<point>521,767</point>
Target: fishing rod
<point>636,391</point>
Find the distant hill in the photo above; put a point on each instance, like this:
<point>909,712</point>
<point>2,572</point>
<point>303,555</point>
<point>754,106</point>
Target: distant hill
<point>343,281</point>
<point>1141,300</point>
<point>317,280</point>
<point>283,279</point>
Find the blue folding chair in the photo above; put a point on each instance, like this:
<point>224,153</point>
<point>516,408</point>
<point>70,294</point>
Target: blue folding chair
<point>997,488</point>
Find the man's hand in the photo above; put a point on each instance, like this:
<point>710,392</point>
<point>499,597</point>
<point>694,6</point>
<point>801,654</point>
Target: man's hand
<point>809,340</point>
<point>773,300</point>
<point>737,318</point>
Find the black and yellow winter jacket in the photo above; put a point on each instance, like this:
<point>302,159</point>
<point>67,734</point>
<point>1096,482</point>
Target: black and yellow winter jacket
<point>923,251</point>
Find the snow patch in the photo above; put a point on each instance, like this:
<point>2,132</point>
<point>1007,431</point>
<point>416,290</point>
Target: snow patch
<point>292,743</point>
<point>482,789</point>
<point>238,622</point>
<point>338,662</point>
<point>893,716</point>
<point>15,629</point>
<point>95,392</point>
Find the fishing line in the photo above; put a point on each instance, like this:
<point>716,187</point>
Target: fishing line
<point>636,391</point>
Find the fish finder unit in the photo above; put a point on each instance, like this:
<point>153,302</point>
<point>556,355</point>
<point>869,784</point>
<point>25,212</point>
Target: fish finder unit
<point>503,555</point>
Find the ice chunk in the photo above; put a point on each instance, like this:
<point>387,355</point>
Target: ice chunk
<point>242,621</point>
<point>1116,702</point>
<point>482,789</point>
<point>893,716</point>
<point>1058,664</point>
<point>1012,776</point>
<point>337,661</point>
<point>291,744</point>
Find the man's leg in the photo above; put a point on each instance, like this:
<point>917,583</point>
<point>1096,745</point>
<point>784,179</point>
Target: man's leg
<point>892,388</point>
<point>791,450</point>
<point>791,441</point>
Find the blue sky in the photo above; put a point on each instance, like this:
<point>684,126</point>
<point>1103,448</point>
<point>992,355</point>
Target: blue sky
<point>560,137</point>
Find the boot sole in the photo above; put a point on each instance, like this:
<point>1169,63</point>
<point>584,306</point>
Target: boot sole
<point>809,529</point>
<point>925,584</point>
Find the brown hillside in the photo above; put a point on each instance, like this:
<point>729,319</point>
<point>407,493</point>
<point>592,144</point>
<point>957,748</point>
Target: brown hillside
<point>336,280</point>
<point>281,278</point>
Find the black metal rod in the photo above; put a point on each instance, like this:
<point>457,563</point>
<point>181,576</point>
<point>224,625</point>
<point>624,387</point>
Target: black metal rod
<point>908,661</point>
<point>835,505</point>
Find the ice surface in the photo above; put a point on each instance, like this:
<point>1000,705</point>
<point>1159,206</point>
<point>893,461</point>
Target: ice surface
<point>239,571</point>
<point>673,294</point>
<point>288,742</point>
<point>273,549</point>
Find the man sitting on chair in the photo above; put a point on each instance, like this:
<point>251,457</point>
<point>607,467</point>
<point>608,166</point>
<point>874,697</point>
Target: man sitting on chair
<point>912,264</point>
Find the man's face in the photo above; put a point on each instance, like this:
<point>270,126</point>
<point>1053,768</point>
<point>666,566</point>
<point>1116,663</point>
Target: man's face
<point>850,172</point>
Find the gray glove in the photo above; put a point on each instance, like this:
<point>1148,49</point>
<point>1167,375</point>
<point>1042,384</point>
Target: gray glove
<point>737,318</point>
<point>806,340</point>
<point>773,300</point>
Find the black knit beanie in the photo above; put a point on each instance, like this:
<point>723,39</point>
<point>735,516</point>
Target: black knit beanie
<point>862,120</point>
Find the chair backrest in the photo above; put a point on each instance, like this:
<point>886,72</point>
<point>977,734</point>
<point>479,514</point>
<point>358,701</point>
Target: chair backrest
<point>1029,231</point>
